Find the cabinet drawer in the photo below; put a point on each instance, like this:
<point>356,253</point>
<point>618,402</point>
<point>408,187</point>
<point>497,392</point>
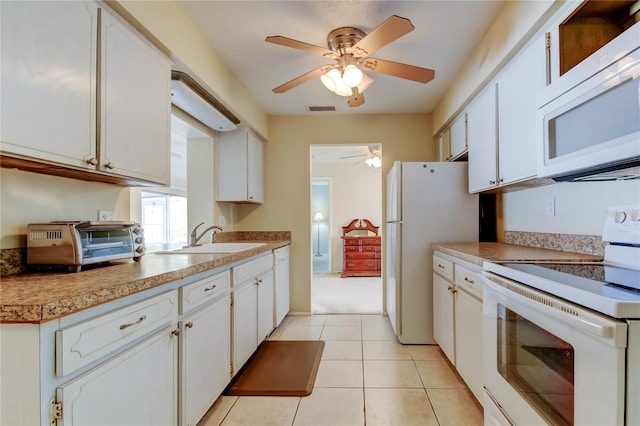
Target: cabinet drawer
<point>443,267</point>
<point>352,241</point>
<point>252,269</point>
<point>371,242</point>
<point>468,280</point>
<point>362,255</point>
<point>361,265</point>
<point>199,292</point>
<point>81,344</point>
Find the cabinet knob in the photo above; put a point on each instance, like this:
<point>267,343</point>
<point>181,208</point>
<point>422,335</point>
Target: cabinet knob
<point>468,280</point>
<point>109,165</point>
<point>501,180</point>
<point>258,281</point>
<point>492,182</point>
<point>93,161</point>
<point>189,324</point>
<point>175,332</point>
<point>210,288</point>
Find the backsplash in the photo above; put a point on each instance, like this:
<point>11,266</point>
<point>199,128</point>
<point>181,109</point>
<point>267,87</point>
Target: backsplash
<point>588,244</point>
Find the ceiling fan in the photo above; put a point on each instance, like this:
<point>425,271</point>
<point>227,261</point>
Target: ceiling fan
<point>373,158</point>
<point>351,48</point>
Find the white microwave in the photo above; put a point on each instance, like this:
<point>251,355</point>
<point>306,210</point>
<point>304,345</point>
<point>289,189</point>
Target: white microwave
<point>592,131</point>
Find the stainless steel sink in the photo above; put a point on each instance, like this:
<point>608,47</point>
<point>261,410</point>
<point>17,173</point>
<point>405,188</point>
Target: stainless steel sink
<point>213,248</point>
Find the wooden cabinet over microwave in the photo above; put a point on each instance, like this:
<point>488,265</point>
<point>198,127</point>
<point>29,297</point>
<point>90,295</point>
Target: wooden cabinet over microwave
<point>361,253</point>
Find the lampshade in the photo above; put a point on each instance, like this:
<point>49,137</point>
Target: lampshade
<point>318,217</point>
<point>352,76</point>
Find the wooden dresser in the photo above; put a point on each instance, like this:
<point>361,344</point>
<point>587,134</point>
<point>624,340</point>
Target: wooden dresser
<point>361,253</point>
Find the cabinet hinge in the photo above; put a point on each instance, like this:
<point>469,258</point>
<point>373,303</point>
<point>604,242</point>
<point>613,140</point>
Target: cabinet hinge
<point>231,304</point>
<point>231,369</point>
<point>55,412</point>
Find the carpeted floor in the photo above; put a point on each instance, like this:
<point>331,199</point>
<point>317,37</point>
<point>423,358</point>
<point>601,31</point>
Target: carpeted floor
<point>353,295</point>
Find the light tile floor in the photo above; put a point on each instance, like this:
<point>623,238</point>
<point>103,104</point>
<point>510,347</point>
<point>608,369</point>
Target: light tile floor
<point>365,378</point>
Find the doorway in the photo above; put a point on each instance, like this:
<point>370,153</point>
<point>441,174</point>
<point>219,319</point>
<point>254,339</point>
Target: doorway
<point>344,186</point>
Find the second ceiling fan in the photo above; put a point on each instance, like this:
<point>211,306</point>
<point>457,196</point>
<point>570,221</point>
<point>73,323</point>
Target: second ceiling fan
<point>351,48</point>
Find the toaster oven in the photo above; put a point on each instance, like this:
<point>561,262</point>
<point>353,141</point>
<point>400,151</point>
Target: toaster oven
<point>78,243</point>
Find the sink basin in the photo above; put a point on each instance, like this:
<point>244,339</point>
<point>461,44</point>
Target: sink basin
<point>214,248</point>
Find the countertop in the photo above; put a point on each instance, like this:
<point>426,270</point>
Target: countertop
<point>40,297</point>
<point>477,253</point>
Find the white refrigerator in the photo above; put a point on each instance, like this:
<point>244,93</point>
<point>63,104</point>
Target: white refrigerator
<point>426,203</point>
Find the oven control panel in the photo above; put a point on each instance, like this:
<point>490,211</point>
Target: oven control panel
<point>622,224</point>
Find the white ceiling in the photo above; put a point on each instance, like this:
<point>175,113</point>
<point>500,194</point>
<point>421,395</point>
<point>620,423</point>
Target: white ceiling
<point>445,33</point>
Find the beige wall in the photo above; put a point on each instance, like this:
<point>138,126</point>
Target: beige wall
<point>404,137</point>
<point>356,193</point>
<point>31,198</point>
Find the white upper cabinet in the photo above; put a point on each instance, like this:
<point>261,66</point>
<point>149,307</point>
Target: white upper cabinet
<point>482,123</point>
<point>502,123</point>
<point>55,109</point>
<point>135,105</point>
<point>458,136</point>
<point>518,88</point>
<point>445,145</point>
<point>239,167</point>
<point>47,80</point>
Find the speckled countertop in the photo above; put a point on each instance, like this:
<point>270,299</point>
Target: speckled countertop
<point>40,297</point>
<point>476,253</point>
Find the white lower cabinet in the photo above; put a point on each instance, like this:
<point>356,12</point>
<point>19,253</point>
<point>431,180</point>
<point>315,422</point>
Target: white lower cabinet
<point>137,387</point>
<point>281,278</point>
<point>159,357</point>
<point>457,318</point>
<point>206,358</point>
<point>253,307</point>
<point>245,324</point>
<point>443,316</point>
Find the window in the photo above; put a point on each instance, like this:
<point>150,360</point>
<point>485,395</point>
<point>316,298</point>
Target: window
<point>164,220</point>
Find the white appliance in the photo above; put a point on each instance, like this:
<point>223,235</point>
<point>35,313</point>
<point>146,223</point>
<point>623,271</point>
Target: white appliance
<point>426,203</point>
<point>592,131</point>
<point>562,341</point>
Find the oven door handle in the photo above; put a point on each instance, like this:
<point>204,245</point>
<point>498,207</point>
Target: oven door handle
<point>602,331</point>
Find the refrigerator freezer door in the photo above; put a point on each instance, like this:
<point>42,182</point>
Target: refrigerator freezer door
<point>394,193</point>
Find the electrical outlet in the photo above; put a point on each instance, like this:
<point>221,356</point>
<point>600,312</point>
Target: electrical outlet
<point>551,206</point>
<point>105,214</point>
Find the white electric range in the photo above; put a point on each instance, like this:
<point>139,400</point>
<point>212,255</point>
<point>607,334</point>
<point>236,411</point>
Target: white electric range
<point>562,340</point>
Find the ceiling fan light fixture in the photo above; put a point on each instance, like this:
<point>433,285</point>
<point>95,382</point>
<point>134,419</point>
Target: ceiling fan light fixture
<point>352,75</point>
<point>330,79</point>
<point>374,161</point>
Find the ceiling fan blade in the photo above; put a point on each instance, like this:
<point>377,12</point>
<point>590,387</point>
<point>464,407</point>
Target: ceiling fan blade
<point>296,44</point>
<point>390,30</point>
<point>356,99</point>
<point>396,69</point>
<point>302,79</point>
<point>354,156</point>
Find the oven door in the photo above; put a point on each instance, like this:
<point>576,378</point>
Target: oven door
<point>549,361</point>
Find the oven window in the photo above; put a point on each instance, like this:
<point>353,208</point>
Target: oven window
<point>101,243</point>
<point>538,365</point>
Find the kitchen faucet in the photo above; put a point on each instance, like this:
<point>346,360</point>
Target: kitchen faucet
<point>195,237</point>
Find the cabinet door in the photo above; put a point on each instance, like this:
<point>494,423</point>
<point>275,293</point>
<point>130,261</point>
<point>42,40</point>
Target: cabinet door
<point>255,185</point>
<point>445,145</point>
<point>281,276</point>
<point>206,359</point>
<point>245,324</point>
<point>265,305</point>
<point>135,105</point>
<point>458,136</point>
<point>48,80</point>
<point>468,341</point>
<point>518,87</point>
<point>443,316</point>
<point>482,125</point>
<point>138,387</point>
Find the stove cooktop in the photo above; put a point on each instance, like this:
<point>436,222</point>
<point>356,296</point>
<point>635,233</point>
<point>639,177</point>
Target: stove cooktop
<point>611,290</point>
